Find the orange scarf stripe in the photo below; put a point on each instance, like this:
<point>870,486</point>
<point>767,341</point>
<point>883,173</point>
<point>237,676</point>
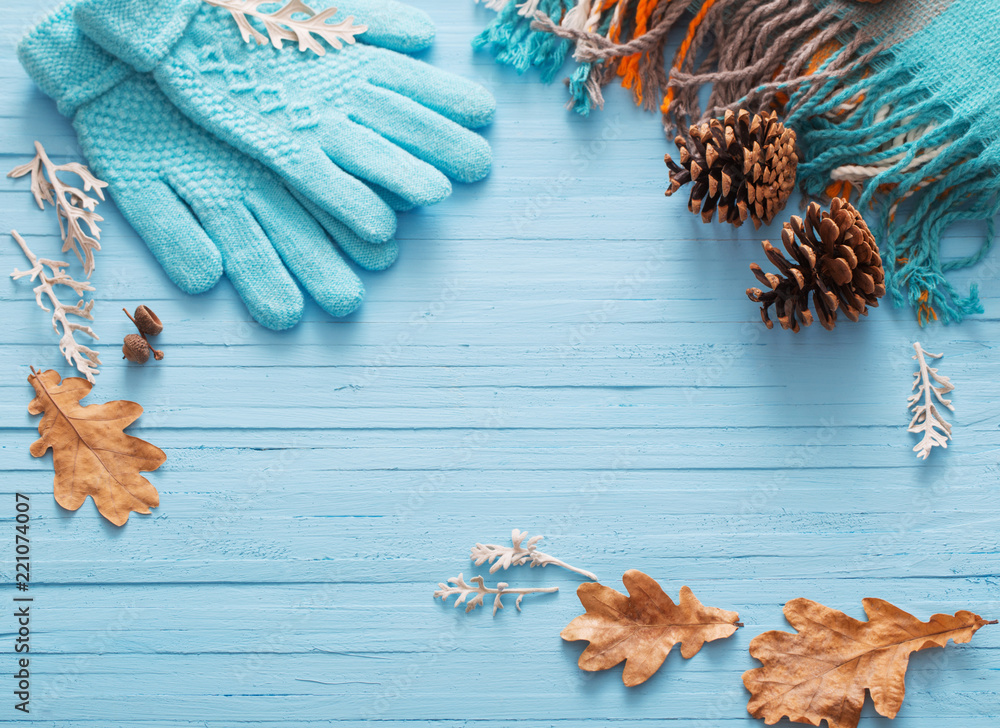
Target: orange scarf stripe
<point>628,67</point>
<point>685,47</point>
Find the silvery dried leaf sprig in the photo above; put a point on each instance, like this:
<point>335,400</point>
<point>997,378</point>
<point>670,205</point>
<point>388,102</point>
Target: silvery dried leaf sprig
<point>80,356</point>
<point>74,207</point>
<point>282,25</point>
<point>927,421</point>
<point>521,552</point>
<point>463,591</point>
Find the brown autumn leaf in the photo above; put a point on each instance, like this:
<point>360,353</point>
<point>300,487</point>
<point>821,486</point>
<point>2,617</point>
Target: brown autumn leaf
<point>91,453</point>
<point>643,627</point>
<point>822,671</point>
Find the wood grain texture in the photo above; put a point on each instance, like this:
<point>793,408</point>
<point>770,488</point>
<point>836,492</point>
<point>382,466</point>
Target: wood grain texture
<point>560,349</point>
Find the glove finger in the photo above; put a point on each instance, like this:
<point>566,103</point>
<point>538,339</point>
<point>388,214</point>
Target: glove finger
<point>451,148</point>
<point>254,268</point>
<point>393,200</point>
<point>367,255</point>
<point>463,101</point>
<point>370,157</point>
<point>391,25</point>
<point>173,234</point>
<point>340,194</point>
<point>307,251</point>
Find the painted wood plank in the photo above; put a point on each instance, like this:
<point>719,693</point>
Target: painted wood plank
<point>559,348</point>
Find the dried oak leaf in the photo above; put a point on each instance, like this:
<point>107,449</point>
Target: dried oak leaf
<point>91,453</point>
<point>643,627</point>
<point>822,671</point>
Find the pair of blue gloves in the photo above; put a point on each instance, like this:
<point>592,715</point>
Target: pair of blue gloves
<point>245,160</point>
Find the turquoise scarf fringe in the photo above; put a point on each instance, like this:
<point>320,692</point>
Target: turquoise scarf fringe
<point>513,43</point>
<point>941,89</point>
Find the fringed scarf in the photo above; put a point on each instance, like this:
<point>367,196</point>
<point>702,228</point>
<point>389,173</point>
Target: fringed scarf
<point>896,104</point>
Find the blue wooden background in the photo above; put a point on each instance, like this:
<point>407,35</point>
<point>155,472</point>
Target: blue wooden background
<point>559,349</point>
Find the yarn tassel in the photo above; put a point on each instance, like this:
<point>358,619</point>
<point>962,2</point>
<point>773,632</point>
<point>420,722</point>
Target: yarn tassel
<point>586,82</point>
<point>760,52</point>
<point>610,39</point>
<point>513,42</point>
<point>584,90</point>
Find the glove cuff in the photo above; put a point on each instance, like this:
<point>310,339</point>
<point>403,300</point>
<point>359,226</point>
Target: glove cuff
<point>65,64</point>
<point>138,32</point>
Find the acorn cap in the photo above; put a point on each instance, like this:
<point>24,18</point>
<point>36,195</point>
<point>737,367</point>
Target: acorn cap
<point>135,348</point>
<point>146,321</point>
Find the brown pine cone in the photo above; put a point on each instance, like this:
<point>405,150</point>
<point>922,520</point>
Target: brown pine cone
<point>742,165</point>
<point>834,256</point>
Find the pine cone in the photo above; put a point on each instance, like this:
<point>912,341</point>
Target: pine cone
<point>743,166</point>
<point>834,256</point>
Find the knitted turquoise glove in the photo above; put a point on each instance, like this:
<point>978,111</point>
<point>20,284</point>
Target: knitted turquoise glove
<point>202,208</point>
<point>363,111</point>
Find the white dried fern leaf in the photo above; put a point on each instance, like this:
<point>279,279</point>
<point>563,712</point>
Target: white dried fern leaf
<point>282,24</point>
<point>927,421</point>
<point>478,591</point>
<point>74,207</point>
<point>521,552</point>
<point>83,358</point>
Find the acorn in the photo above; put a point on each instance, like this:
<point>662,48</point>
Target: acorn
<point>145,320</point>
<point>135,348</point>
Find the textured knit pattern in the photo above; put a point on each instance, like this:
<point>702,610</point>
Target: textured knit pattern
<point>69,72</point>
<point>159,26</point>
<point>323,123</point>
<point>203,208</point>
<point>892,21</point>
<point>923,130</point>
